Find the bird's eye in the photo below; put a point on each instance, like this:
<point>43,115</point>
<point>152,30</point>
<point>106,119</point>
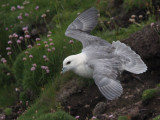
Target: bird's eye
<point>68,62</point>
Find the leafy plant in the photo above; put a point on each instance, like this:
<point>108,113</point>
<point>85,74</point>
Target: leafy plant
<point>59,115</point>
<point>149,94</point>
<point>8,111</point>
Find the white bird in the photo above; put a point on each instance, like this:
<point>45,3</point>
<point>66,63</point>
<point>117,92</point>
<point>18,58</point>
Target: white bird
<point>99,59</point>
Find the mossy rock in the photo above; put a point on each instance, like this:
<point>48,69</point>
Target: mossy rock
<point>59,115</point>
<point>157,118</point>
<point>8,111</point>
<point>123,118</point>
<point>149,94</point>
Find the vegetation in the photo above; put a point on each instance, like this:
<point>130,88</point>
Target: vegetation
<point>149,94</point>
<point>123,118</point>
<point>33,46</point>
<point>8,111</point>
<point>157,118</point>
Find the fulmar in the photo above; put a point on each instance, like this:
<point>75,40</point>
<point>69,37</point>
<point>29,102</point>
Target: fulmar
<point>99,59</point>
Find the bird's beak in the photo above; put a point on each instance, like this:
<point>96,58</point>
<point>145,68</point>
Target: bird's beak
<point>64,69</point>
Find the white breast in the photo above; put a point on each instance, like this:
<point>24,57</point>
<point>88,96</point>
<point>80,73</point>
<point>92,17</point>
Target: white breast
<point>82,68</point>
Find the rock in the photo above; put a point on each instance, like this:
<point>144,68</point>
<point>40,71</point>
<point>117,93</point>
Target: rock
<point>134,112</point>
<point>146,41</point>
<point>66,91</point>
<point>99,108</point>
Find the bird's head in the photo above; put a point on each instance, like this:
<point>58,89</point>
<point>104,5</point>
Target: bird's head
<point>72,62</point>
<point>69,63</point>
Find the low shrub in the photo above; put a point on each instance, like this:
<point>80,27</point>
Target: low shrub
<point>123,118</point>
<point>59,115</point>
<point>8,111</point>
<point>149,94</point>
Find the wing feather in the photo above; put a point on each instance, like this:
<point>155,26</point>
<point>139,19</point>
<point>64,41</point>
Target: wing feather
<point>105,76</point>
<point>81,27</point>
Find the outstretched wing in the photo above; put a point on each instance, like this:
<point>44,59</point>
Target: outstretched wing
<point>105,76</point>
<point>81,27</point>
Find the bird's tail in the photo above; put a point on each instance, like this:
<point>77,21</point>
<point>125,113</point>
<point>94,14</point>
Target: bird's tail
<point>131,61</point>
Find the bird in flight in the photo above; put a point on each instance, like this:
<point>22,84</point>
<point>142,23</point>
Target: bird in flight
<point>99,59</point>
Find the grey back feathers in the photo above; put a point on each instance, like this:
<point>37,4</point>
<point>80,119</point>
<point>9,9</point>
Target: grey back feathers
<point>107,60</point>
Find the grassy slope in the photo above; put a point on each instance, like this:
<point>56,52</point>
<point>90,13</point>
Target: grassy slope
<point>62,14</point>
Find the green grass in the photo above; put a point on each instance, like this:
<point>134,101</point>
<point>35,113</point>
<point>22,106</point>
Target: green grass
<point>157,118</point>
<point>7,96</point>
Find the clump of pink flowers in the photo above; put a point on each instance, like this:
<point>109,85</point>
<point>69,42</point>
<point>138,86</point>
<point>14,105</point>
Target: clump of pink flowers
<point>45,68</point>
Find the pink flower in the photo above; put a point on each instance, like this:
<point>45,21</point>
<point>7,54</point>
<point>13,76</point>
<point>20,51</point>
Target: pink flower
<point>4,61</point>
<point>9,53</point>
<point>71,41</point>
<point>26,52</point>
<point>29,46</point>
<point>46,59</point>
<point>38,44</point>
<point>8,74</point>
<point>26,14</point>
<point>77,117</point>
<point>93,117</point>
<point>6,28</point>
<point>18,41</point>
<point>34,65</point>
<point>37,7</point>
<point>48,35</point>
<point>9,42</point>
<point>49,50</point>
<point>47,71</point>
<point>18,6</point>
<point>45,42</point>
<point>50,39</point>
<point>26,32</point>
<point>24,59</point>
<point>38,39</point>
<point>21,38</point>
<point>16,89</point>
<point>51,43</point>
<point>49,32</point>
<point>13,8</point>
<point>22,7</point>
<point>53,49</point>
<point>25,28</point>
<point>46,45</point>
<point>10,36</point>
<point>43,15</point>
<point>33,68</point>
<point>110,116</point>
<point>27,36</point>
<point>43,67</point>
<point>15,35</point>
<point>8,48</point>
<point>44,56</point>
<point>30,56</point>
<point>19,17</point>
